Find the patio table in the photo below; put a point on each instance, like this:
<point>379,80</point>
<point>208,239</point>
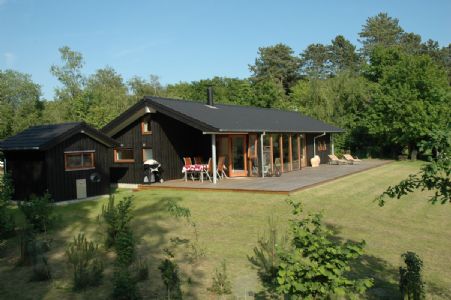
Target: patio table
<point>197,168</point>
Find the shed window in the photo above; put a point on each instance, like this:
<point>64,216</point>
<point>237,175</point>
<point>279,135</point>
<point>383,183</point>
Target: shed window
<point>146,126</point>
<point>124,155</point>
<point>79,160</point>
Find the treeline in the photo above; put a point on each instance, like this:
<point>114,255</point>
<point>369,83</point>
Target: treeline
<point>389,95</point>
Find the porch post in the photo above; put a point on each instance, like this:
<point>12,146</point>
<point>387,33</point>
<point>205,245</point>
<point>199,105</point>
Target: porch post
<point>213,157</point>
<point>262,156</point>
<point>332,146</point>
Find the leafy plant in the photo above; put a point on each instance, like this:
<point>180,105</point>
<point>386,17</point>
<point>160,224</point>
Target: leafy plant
<point>125,247</point>
<point>38,212</point>
<point>266,257</point>
<point>141,268</point>
<point>27,246</point>
<point>84,258</point>
<point>124,285</point>
<point>411,283</point>
<point>434,176</point>
<point>195,249</point>
<point>171,279</point>
<point>7,223</point>
<point>41,270</point>
<point>117,218</point>
<point>315,266</point>
<point>221,284</point>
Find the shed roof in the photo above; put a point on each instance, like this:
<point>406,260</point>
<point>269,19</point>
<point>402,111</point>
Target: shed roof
<point>224,117</point>
<point>43,137</point>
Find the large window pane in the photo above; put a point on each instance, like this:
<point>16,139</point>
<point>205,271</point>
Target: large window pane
<point>276,152</point>
<point>79,160</point>
<point>295,146</point>
<point>286,153</point>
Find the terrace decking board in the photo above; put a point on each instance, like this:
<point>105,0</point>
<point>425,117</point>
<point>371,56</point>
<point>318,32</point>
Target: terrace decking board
<point>286,184</point>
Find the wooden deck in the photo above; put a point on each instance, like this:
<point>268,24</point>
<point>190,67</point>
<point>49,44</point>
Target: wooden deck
<point>286,184</point>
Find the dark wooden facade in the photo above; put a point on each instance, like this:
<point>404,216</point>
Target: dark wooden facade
<point>37,172</point>
<point>170,141</point>
<point>322,151</point>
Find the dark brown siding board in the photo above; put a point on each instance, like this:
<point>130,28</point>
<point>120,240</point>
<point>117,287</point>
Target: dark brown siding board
<point>27,169</point>
<point>61,183</point>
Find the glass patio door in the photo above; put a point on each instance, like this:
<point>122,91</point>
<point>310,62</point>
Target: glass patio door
<point>238,160</point>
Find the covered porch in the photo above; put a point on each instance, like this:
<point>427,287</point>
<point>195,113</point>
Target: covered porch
<point>286,184</point>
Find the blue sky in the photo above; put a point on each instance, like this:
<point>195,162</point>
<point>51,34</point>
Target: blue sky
<point>188,40</point>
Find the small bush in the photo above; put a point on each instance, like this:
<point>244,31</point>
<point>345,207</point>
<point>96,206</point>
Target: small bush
<point>125,247</point>
<point>221,284</point>
<point>141,270</point>
<point>38,212</point>
<point>7,223</point>
<point>83,256</point>
<point>41,270</point>
<point>124,285</point>
<point>117,218</point>
<point>265,257</point>
<point>411,283</point>
<point>171,279</point>
<point>28,246</point>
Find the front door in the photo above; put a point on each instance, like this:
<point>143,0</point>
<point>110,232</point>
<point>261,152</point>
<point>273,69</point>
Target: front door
<point>238,157</point>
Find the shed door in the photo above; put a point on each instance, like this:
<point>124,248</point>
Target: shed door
<point>81,188</point>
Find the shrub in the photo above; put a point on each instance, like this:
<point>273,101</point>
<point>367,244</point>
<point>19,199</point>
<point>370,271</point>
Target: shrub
<point>125,247</point>
<point>41,270</point>
<point>410,280</point>
<point>171,279</point>
<point>266,258</point>
<point>7,223</point>
<point>221,284</point>
<point>141,269</point>
<point>27,246</point>
<point>117,218</point>
<point>124,285</point>
<point>38,212</point>
<point>83,256</point>
<point>315,267</point>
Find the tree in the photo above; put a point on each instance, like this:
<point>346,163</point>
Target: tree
<point>140,87</point>
<point>20,104</point>
<point>105,97</point>
<point>316,266</point>
<point>380,30</point>
<point>276,63</point>
<point>268,93</point>
<point>315,61</point>
<point>343,55</point>
<point>73,81</point>
<point>411,101</point>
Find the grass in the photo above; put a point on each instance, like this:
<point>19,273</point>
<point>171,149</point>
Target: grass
<point>230,223</point>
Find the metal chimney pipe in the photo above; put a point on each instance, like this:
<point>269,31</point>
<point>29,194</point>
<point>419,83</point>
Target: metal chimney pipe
<point>210,100</point>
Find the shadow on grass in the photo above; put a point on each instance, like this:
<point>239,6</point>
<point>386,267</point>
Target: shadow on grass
<point>151,225</point>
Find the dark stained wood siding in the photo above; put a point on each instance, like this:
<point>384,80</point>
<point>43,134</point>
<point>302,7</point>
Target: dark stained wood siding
<point>131,137</point>
<point>323,155</point>
<point>28,173</point>
<point>62,184</point>
<point>171,140</point>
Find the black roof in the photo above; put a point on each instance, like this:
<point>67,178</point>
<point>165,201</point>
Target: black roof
<point>226,117</point>
<point>43,137</point>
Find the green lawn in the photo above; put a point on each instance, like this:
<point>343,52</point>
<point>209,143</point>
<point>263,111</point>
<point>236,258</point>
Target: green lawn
<point>230,223</point>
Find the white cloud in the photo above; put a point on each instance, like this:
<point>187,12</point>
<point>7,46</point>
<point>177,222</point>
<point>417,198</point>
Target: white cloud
<point>10,58</point>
